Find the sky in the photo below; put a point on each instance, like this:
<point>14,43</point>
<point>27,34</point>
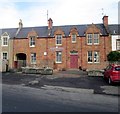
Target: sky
<point>62,12</point>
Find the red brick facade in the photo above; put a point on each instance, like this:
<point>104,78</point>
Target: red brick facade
<point>72,53</point>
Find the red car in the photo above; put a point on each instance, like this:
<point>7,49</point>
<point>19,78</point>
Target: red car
<point>112,73</point>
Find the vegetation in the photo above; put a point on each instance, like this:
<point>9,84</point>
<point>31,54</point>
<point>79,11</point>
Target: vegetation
<point>113,56</point>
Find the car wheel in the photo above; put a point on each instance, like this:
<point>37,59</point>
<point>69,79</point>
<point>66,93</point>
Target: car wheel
<point>110,81</point>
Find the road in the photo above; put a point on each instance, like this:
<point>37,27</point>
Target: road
<point>18,98</point>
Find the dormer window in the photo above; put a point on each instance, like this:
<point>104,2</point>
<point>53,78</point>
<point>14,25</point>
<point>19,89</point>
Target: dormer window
<point>5,41</point>
<point>32,41</point>
<point>73,38</point>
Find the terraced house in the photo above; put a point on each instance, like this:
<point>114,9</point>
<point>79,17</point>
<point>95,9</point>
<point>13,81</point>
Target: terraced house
<point>61,47</point>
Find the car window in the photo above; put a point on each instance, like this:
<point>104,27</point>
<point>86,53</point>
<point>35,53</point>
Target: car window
<point>117,68</point>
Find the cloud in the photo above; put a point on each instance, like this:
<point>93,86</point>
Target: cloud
<point>63,12</point>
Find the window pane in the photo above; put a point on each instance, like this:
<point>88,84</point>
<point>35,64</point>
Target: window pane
<point>4,55</point>
<point>59,39</point>
<point>32,41</point>
<point>89,56</point>
<point>89,38</point>
<point>73,37</point>
<point>5,41</point>
<point>118,44</point>
<point>33,57</point>
<point>96,56</point>
<point>58,56</point>
<point>96,38</point>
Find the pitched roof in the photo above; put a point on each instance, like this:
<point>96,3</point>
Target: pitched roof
<point>114,29</point>
<point>42,31</point>
<point>10,31</point>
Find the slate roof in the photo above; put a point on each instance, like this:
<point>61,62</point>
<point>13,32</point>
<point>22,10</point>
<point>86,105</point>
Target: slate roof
<point>42,31</point>
<point>11,32</point>
<point>114,29</point>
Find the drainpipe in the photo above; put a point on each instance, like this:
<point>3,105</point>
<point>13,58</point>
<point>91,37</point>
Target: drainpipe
<point>104,49</point>
<point>66,53</point>
<point>81,52</point>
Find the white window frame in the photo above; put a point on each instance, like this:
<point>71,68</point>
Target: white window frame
<point>33,58</point>
<point>59,39</point>
<point>74,36</point>
<point>89,56</point>
<point>96,39</point>
<point>3,41</point>
<point>58,57</point>
<point>117,44</point>
<point>3,56</point>
<point>96,57</point>
<point>89,39</point>
<point>32,41</point>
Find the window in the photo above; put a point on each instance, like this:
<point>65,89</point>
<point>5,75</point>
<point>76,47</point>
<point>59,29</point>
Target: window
<point>5,41</point>
<point>118,44</point>
<point>33,58</point>
<point>5,56</point>
<point>73,38</point>
<point>89,39</point>
<point>59,39</point>
<point>93,57</point>
<point>96,57</point>
<point>92,38</point>
<point>96,38</point>
<point>89,56</point>
<point>32,41</point>
<point>58,57</point>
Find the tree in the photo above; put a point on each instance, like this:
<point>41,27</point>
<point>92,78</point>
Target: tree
<point>113,56</point>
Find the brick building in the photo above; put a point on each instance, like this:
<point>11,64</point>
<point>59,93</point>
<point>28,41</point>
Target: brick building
<point>62,47</point>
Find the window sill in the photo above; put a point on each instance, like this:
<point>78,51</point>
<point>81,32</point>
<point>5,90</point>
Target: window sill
<point>4,45</point>
<point>96,62</point>
<point>32,46</point>
<point>58,44</point>
<point>89,44</point>
<point>58,62</point>
<point>96,44</point>
<point>90,62</point>
<point>73,42</point>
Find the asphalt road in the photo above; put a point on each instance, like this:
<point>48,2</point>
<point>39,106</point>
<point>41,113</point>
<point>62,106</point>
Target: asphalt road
<point>69,91</point>
<point>18,98</point>
<point>74,79</point>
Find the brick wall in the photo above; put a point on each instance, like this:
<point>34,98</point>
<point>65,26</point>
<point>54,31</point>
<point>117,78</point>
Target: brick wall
<point>48,45</point>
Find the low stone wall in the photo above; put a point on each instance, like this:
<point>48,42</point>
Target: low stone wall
<point>95,72</point>
<point>32,70</point>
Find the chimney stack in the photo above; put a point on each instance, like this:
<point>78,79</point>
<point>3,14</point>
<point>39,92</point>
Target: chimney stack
<point>105,21</point>
<point>50,23</point>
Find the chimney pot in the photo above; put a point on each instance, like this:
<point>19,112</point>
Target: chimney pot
<point>20,24</point>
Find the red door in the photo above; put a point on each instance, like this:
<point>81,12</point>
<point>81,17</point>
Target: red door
<point>73,61</point>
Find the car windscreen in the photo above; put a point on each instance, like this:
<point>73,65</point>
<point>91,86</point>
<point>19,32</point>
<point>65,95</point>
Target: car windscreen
<point>117,68</point>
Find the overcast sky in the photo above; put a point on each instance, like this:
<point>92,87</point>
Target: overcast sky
<point>63,12</point>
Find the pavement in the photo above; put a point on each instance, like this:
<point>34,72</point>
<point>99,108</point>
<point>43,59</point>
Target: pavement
<point>71,80</point>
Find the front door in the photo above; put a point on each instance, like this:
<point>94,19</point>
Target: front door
<point>73,61</point>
